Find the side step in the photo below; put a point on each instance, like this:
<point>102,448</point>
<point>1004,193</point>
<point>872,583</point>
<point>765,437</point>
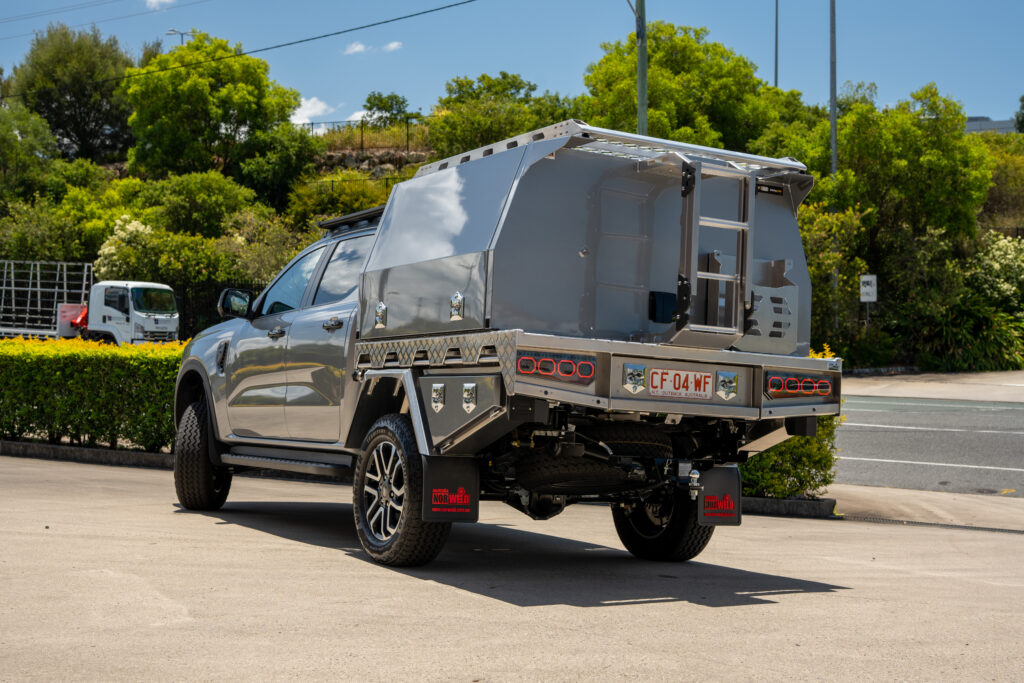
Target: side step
<point>248,457</point>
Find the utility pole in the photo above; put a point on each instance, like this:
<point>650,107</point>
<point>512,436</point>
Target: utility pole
<point>776,43</point>
<point>832,84</point>
<point>641,65</point>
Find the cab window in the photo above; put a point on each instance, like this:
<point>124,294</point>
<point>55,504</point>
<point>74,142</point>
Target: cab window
<point>116,298</point>
<point>286,293</point>
<point>341,277</point>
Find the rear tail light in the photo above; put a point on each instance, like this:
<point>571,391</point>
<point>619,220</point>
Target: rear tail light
<point>557,366</point>
<point>796,385</point>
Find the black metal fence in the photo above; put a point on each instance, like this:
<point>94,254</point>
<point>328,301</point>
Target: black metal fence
<point>197,303</point>
<point>338,184</point>
<point>1017,232</point>
<point>409,134</point>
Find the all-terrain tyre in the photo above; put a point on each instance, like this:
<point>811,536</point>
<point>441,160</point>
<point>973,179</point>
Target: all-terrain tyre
<point>543,472</point>
<point>200,484</point>
<point>662,527</point>
<point>387,498</point>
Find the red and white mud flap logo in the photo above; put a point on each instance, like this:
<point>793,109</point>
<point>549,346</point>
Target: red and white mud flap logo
<point>720,503</point>
<point>451,489</point>
<point>443,500</point>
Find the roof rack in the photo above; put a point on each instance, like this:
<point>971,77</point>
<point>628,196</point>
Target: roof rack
<point>619,144</point>
<point>367,218</point>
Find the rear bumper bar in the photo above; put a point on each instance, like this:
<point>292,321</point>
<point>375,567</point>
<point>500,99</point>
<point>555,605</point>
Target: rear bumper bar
<point>737,379</point>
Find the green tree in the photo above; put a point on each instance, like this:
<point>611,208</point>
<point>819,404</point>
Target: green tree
<point>200,107</point>
<point>136,251</point>
<point>70,78</point>
<point>385,110</point>
<point>26,151</point>
<point>916,168</point>
<point>698,91</point>
<point>474,113</point>
<point>1018,118</point>
<point>37,232</point>
<point>283,156</point>
<point>194,203</point>
<point>1004,207</point>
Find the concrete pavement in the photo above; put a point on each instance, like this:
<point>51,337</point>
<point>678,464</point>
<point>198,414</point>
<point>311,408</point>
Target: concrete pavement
<point>965,386</point>
<point>104,578</point>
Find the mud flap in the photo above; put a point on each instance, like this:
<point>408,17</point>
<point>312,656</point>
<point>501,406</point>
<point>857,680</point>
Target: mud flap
<point>720,501</point>
<point>451,489</point>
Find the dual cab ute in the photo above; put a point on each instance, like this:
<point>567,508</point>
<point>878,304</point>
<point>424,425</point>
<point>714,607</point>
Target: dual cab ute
<point>574,314</point>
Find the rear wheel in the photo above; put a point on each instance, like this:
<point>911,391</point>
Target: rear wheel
<point>387,498</point>
<point>200,484</point>
<point>662,526</point>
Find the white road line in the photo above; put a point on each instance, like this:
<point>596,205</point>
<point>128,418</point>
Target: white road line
<point>931,429</point>
<point>934,464</point>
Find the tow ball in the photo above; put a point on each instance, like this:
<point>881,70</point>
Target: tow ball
<point>695,486</point>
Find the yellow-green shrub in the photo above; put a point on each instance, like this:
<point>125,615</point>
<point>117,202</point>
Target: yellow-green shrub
<point>88,392</point>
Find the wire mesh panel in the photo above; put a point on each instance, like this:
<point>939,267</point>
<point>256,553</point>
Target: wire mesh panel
<point>31,293</point>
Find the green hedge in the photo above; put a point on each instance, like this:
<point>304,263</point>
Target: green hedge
<point>799,466</point>
<point>97,393</point>
<point>88,392</point>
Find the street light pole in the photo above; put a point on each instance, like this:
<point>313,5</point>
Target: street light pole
<point>832,84</point>
<point>641,65</point>
<point>776,43</point>
<point>180,34</point>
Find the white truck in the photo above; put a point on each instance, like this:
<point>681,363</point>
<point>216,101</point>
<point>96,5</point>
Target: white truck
<point>58,299</point>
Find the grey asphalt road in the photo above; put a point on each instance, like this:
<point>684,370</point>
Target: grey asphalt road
<point>936,445</point>
<point>103,577</point>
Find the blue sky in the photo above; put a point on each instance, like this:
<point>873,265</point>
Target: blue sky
<point>971,50</point>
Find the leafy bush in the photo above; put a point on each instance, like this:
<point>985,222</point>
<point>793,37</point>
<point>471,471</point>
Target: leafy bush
<point>194,203</point>
<point>799,466</point>
<point>996,273</point>
<point>335,195</point>
<point>88,392</point>
<point>37,232</point>
<point>138,252</point>
<point>285,154</point>
<point>259,244</point>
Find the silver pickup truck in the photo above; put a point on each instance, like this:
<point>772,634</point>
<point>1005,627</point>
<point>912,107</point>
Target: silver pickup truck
<point>575,314</point>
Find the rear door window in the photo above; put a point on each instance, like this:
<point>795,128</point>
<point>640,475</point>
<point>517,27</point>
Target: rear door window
<point>341,277</point>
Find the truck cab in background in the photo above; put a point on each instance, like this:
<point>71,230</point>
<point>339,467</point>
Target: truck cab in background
<point>130,312</point>
<point>58,299</point>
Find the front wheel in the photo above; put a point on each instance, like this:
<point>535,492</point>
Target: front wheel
<point>200,484</point>
<point>662,526</point>
<point>387,497</point>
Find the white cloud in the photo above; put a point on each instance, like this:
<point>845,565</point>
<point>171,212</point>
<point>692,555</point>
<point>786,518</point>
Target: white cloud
<point>392,46</point>
<point>310,109</point>
<point>158,4</point>
<point>355,48</point>
<point>357,115</point>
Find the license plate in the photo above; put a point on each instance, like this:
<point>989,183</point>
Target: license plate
<point>679,384</point>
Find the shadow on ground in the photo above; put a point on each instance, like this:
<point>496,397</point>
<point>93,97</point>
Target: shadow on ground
<point>530,569</point>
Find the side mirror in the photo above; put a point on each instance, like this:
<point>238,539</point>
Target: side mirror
<point>234,303</point>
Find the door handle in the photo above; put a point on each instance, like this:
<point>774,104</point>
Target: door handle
<point>333,324</point>
<point>276,333</point>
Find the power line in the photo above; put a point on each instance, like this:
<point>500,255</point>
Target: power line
<point>56,10</point>
<point>262,49</point>
<point>123,16</point>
